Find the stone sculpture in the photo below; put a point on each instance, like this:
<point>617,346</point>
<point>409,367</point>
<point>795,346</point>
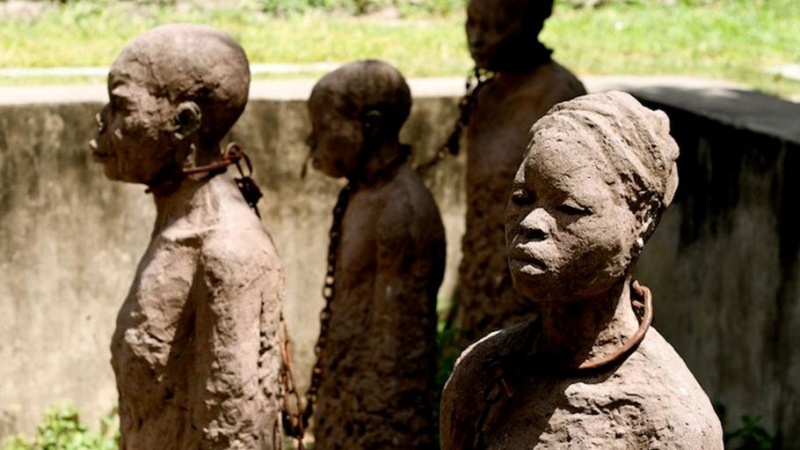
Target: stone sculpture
<point>195,352</point>
<point>587,373</point>
<point>526,82</point>
<point>377,357</point>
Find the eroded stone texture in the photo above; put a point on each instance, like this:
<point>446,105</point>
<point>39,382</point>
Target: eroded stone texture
<point>379,359</point>
<point>597,176</point>
<point>195,351</point>
<point>503,38</point>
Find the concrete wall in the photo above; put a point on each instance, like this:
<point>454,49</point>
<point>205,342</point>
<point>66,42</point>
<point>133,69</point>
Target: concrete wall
<point>722,266</point>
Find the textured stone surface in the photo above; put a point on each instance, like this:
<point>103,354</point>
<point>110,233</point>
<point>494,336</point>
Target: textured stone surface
<point>379,359</point>
<point>70,240</point>
<point>195,351</point>
<point>505,109</point>
<point>598,174</point>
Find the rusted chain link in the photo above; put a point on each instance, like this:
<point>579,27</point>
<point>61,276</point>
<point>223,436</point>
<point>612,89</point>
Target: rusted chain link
<point>292,423</point>
<point>295,424</point>
<point>475,82</point>
<point>233,155</point>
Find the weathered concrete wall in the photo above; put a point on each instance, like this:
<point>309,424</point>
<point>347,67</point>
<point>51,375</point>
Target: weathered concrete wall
<point>722,266</point>
<point>70,239</point>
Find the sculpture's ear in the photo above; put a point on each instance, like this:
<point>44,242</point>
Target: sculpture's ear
<point>372,124</point>
<point>187,119</point>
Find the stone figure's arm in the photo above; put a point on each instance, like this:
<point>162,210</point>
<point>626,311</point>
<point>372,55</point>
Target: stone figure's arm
<point>460,406</point>
<point>404,310</point>
<point>235,382</point>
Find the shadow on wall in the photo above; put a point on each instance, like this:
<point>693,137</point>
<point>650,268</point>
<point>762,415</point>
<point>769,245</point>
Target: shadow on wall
<point>724,263</point>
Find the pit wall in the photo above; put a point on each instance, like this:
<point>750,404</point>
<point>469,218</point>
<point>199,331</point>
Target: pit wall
<point>723,264</point>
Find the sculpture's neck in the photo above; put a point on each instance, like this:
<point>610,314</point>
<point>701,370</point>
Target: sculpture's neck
<point>195,202</point>
<point>575,332</point>
<point>381,164</point>
<point>522,57</point>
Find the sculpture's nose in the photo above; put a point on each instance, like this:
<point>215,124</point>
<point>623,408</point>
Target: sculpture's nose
<point>535,226</point>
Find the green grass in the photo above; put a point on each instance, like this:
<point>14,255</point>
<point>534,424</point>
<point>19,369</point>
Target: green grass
<point>728,39</point>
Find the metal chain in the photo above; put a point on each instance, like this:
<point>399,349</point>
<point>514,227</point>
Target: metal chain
<point>233,155</point>
<point>475,82</point>
<point>328,289</point>
<point>296,423</point>
<point>292,423</point>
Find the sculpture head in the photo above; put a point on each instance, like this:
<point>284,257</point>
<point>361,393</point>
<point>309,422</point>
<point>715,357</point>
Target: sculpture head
<point>353,110</point>
<point>502,32</point>
<point>598,174</point>
<point>173,90</point>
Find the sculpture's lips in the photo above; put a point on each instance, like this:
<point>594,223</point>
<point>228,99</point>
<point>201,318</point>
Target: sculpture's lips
<point>523,259</point>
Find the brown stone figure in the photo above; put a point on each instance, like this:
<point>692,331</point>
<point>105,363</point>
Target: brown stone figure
<point>195,351</point>
<point>587,373</point>
<point>386,263</point>
<point>526,82</point>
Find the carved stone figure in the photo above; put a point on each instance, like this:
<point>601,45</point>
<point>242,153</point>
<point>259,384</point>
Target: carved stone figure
<point>587,373</point>
<point>195,351</point>
<point>526,82</point>
<point>386,262</point>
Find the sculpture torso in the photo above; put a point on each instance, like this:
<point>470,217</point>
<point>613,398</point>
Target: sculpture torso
<point>379,362</point>
<point>195,351</point>
<point>497,136</point>
<point>650,400</point>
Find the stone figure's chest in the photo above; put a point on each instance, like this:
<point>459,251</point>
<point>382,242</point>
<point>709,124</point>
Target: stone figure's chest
<point>547,414</point>
<point>496,139</point>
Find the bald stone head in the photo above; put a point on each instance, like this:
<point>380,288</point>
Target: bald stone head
<point>353,108</point>
<point>188,62</point>
<point>171,87</point>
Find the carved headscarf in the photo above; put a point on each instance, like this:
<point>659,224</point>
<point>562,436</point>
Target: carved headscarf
<point>631,142</point>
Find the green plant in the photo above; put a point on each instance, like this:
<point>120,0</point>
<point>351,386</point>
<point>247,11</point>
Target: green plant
<point>751,436</point>
<point>447,343</point>
<point>62,429</point>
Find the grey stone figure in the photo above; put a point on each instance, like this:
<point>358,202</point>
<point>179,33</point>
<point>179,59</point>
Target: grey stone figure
<point>526,83</point>
<point>387,257</point>
<point>588,372</point>
<point>195,352</point>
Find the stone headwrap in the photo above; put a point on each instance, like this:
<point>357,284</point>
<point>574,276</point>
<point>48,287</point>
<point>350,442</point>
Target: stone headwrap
<point>631,141</point>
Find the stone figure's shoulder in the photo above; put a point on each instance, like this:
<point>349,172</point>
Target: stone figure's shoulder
<point>245,250</point>
<point>406,200</point>
<point>473,367</point>
<point>463,397</point>
<point>679,409</point>
<point>557,82</point>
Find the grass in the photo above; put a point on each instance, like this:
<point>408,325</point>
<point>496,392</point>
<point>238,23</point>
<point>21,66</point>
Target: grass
<point>728,39</point>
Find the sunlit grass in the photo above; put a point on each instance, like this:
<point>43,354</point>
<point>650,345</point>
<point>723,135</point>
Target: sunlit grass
<point>728,39</point>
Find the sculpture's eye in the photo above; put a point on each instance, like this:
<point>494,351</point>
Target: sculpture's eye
<point>572,208</point>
